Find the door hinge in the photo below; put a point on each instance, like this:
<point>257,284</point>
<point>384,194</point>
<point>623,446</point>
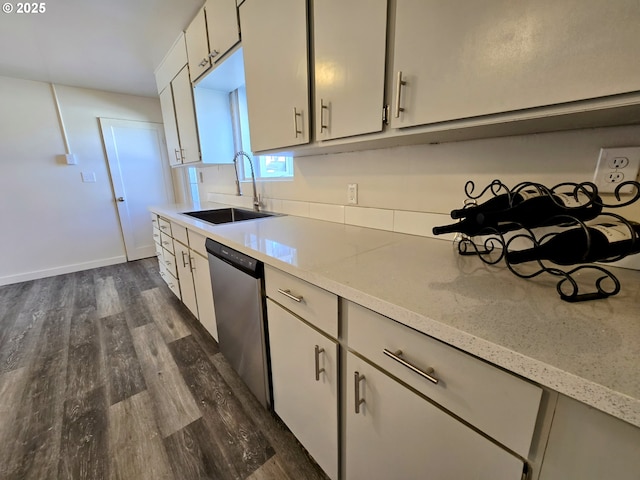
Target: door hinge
<point>385,114</point>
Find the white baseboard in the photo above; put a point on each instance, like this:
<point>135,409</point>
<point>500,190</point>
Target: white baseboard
<point>50,272</point>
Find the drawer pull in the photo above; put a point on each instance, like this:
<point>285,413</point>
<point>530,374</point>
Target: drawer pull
<point>359,401</point>
<point>423,373</point>
<point>318,369</point>
<point>184,259</point>
<point>287,293</point>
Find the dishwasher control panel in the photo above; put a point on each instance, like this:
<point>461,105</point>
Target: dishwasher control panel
<point>232,257</point>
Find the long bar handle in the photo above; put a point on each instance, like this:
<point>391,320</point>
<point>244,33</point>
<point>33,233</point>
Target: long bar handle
<point>323,107</point>
<point>399,84</point>
<point>296,114</point>
<point>358,401</point>
<point>287,293</point>
<point>178,158</point>
<point>319,370</point>
<point>192,263</point>
<point>423,373</point>
<point>184,256</point>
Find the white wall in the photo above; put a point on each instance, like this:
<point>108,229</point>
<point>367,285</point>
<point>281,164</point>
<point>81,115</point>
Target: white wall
<point>52,222</point>
<point>431,178</point>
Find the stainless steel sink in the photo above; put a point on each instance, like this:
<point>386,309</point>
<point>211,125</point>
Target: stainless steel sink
<point>227,215</point>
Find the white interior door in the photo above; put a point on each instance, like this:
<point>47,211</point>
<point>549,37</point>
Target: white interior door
<point>140,176</point>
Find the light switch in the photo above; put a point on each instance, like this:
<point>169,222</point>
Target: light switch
<point>89,177</point>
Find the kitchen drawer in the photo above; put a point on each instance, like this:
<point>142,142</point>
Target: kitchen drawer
<point>498,403</point>
<point>315,305</point>
<point>171,280</point>
<point>167,242</point>
<point>169,261</point>
<point>164,225</point>
<point>178,232</point>
<point>156,236</point>
<point>158,250</point>
<point>196,242</point>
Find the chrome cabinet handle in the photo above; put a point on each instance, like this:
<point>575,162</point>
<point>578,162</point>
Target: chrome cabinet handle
<point>214,53</point>
<point>178,158</point>
<point>204,62</point>
<point>296,114</point>
<point>163,227</point>
<point>358,401</point>
<point>399,85</point>
<point>287,293</point>
<point>192,266</point>
<point>184,262</point>
<point>318,369</point>
<point>423,373</point>
<point>182,154</point>
<point>323,107</point>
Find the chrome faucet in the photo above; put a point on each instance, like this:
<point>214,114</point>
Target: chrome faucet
<point>256,197</point>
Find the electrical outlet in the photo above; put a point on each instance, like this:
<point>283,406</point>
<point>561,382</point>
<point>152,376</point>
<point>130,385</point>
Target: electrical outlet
<point>352,193</point>
<point>617,165</point>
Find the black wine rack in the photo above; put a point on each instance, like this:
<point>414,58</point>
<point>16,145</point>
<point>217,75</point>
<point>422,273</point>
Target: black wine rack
<point>580,282</point>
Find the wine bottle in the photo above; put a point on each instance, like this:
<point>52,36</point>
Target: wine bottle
<point>605,240</point>
<point>499,202</point>
<point>532,209</point>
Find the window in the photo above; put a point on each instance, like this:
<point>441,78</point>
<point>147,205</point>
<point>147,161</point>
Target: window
<point>266,167</point>
<point>192,180</point>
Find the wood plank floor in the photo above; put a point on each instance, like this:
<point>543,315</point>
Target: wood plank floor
<point>104,374</point>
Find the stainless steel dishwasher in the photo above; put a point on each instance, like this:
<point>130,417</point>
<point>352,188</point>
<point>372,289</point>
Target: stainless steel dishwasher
<point>237,281</point>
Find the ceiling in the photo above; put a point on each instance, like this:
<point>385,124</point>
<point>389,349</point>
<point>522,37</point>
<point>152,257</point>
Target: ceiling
<point>112,45</point>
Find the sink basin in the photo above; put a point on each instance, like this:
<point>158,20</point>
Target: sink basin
<point>227,215</point>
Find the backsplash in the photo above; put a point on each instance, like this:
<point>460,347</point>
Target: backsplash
<point>410,189</point>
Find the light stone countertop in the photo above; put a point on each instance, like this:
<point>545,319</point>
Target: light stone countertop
<point>588,351</point>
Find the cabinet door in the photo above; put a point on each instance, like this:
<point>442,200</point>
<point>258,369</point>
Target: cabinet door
<point>204,294</point>
<point>185,278</point>
<point>307,401</point>
<point>222,25</point>
<point>185,117</point>
<point>499,56</point>
<point>170,127</point>
<point>274,42</point>
<point>398,434</point>
<point>349,66</point>
<point>588,444</point>
<point>197,45</point>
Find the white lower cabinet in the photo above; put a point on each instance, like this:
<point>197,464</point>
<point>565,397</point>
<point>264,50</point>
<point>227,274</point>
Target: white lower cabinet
<point>304,365</point>
<point>185,267</point>
<point>588,444</point>
<point>187,287</point>
<point>391,432</point>
<point>204,295</point>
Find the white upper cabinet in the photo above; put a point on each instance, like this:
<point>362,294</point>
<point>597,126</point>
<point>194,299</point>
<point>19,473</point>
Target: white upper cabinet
<point>198,45</point>
<point>170,127</point>
<point>349,62</point>
<point>454,61</point>
<point>222,27</point>
<point>185,117</point>
<point>274,40</point>
<point>211,34</point>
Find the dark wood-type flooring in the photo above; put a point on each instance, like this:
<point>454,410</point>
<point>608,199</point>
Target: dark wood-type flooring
<point>104,374</point>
